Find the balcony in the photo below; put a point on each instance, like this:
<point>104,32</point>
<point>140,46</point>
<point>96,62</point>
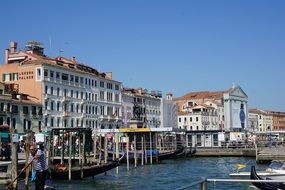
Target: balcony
<point>47,112</point>
<point>66,114</point>
<point>103,117</point>
<point>46,97</point>
<point>82,101</point>
<point>205,122</point>
<point>66,99</point>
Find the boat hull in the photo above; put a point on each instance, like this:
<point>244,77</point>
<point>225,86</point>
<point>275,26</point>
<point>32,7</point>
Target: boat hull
<point>88,171</point>
<point>273,174</point>
<point>265,185</point>
<point>155,157</point>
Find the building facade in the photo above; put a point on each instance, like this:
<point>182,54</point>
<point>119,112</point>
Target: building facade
<point>205,115</point>
<point>19,111</point>
<point>141,109</point>
<point>278,121</point>
<point>168,110</point>
<point>72,94</point>
<point>269,120</point>
<point>252,121</point>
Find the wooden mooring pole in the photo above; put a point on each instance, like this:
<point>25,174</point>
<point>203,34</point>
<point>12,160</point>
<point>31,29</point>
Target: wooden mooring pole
<point>62,148</point>
<point>14,155</point>
<point>105,148</point>
<point>95,145</point>
<point>156,150</point>
<point>69,158</point>
<point>100,150</point>
<point>27,153</point>
<point>145,154</point>
<point>135,150</point>
<point>117,150</point>
<point>150,147</point>
<point>128,161</point>
<point>142,150</point>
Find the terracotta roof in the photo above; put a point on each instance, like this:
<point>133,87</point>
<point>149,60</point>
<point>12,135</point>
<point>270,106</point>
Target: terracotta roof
<point>61,62</point>
<point>182,113</point>
<point>202,95</point>
<point>257,111</point>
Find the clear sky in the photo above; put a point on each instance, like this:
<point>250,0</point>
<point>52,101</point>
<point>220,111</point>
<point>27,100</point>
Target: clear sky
<point>176,46</point>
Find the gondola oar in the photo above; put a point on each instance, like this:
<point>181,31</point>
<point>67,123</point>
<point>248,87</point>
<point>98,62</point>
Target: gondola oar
<point>10,185</point>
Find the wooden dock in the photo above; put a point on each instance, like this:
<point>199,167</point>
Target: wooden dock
<point>267,154</point>
<point>224,152</point>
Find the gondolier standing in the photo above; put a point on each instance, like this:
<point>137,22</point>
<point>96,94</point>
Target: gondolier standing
<point>38,158</point>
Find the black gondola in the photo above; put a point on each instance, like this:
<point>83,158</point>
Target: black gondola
<point>155,154</point>
<point>265,185</point>
<point>88,171</point>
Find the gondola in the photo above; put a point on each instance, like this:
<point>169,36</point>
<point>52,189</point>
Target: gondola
<point>156,155</point>
<point>88,171</point>
<point>265,185</point>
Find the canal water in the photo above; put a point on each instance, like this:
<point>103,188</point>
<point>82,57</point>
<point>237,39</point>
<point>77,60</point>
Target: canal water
<point>169,174</point>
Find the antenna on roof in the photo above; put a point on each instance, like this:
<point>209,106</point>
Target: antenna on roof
<point>50,42</point>
<point>60,51</point>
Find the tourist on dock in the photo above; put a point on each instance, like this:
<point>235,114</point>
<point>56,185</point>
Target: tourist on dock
<point>38,159</point>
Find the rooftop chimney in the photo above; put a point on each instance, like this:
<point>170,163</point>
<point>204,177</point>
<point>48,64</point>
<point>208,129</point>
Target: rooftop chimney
<point>7,53</point>
<point>74,59</point>
<point>13,47</point>
<point>169,96</point>
<point>109,75</point>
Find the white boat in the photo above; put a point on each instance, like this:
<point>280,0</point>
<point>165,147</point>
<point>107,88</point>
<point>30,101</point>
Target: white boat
<point>276,174</point>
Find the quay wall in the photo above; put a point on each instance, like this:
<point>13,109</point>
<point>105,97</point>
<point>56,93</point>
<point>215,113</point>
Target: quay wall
<point>218,152</point>
<point>267,154</point>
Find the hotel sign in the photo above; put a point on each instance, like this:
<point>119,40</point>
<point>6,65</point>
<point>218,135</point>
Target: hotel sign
<point>26,75</point>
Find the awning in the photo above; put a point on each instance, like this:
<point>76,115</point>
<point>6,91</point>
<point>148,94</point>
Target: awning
<point>4,137</point>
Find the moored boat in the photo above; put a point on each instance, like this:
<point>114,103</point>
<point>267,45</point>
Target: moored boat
<point>87,171</point>
<point>272,173</point>
<point>156,155</point>
<point>265,185</point>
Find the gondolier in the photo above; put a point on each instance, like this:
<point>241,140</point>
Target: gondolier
<point>38,158</point>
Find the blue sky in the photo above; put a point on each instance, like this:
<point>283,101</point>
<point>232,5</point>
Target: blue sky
<point>175,46</point>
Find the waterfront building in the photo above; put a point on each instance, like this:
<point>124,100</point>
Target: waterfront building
<point>269,120</point>
<point>19,111</point>
<point>231,104</point>
<point>265,120</point>
<point>278,120</point>
<point>252,121</point>
<point>141,109</point>
<point>168,112</point>
<point>72,94</point>
<point>206,115</point>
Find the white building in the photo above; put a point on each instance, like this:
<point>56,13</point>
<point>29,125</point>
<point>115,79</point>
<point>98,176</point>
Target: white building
<point>168,110</point>
<point>72,94</point>
<point>264,120</point>
<point>252,121</point>
<point>236,109</point>
<point>141,109</point>
<point>207,114</point>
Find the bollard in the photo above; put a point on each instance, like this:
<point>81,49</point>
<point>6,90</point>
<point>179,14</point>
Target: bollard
<point>204,184</point>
